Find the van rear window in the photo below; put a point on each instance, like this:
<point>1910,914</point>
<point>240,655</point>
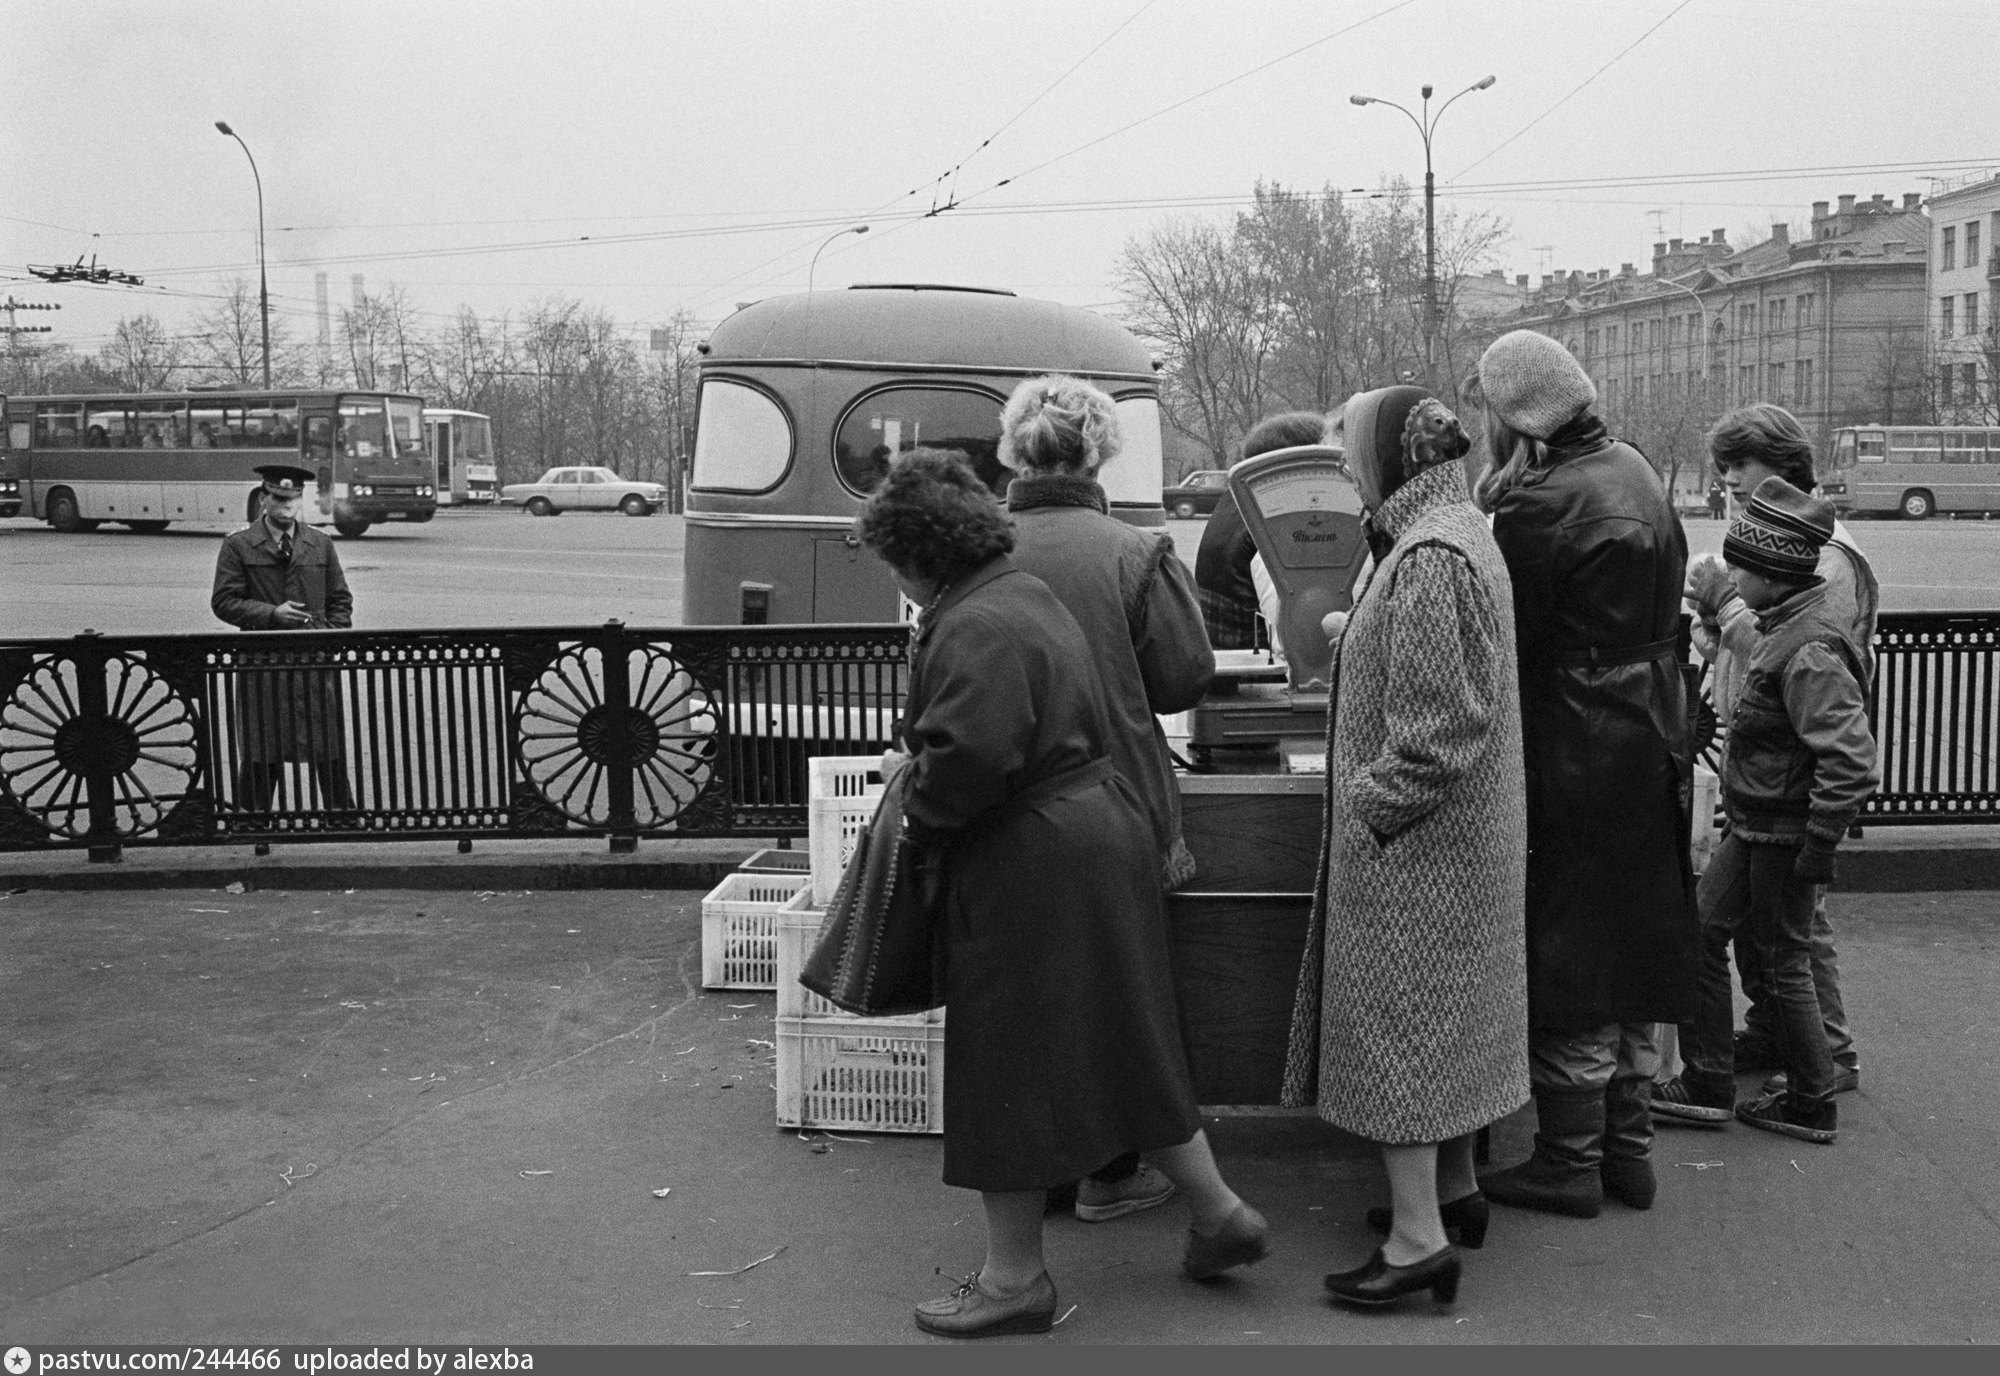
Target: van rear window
<point>898,419</point>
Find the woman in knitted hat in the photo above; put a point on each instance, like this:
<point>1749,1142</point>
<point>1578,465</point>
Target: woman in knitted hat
<point>1597,559</point>
<point>1411,1022</point>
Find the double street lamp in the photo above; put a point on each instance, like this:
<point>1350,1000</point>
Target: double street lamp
<point>263,287</point>
<point>1425,126</point>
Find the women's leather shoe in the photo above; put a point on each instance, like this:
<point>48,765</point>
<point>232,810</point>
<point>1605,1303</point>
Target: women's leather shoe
<point>1378,1283</point>
<point>1243,1238</point>
<point>1466,1215</point>
<point>973,1311</point>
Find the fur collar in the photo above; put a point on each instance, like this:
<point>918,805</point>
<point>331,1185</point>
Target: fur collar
<point>1056,489</point>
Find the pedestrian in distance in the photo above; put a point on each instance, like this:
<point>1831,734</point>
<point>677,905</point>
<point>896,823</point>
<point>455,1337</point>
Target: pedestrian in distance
<point>1135,600</point>
<point>279,574</point>
<point>1223,580</point>
<point>1411,1022</point>
<point>1747,446</point>
<point>1597,559</point>
<point>1064,1038</point>
<point>1718,500</point>
<point>1800,763</point>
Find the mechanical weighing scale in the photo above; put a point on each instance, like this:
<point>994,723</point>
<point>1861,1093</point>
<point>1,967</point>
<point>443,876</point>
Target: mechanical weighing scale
<point>1304,513</point>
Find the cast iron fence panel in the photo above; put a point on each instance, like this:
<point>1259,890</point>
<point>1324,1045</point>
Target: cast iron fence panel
<point>1936,716</point>
<point>110,741</point>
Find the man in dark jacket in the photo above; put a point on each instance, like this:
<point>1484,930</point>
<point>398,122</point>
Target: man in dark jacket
<point>1597,559</point>
<point>279,574</point>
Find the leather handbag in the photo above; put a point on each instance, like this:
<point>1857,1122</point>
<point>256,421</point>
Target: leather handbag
<point>881,948</point>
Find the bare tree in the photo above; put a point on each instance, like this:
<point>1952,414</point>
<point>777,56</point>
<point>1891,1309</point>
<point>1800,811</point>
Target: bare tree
<point>141,354</point>
<point>228,338</point>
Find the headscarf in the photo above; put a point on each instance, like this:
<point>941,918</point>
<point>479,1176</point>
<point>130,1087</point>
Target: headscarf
<point>1394,433</point>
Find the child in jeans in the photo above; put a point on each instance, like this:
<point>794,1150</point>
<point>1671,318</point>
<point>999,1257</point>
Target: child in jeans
<point>1799,765</point>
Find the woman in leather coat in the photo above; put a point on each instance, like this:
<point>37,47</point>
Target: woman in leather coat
<point>1597,559</point>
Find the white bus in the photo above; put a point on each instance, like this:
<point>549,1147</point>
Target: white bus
<point>1915,470</point>
<point>462,442</point>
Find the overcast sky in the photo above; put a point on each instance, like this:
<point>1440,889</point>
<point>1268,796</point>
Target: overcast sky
<point>646,157</point>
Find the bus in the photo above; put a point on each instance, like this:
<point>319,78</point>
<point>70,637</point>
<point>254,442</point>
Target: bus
<point>461,442</point>
<point>1916,471</point>
<point>804,399</point>
<point>10,477</point>
<point>147,459</point>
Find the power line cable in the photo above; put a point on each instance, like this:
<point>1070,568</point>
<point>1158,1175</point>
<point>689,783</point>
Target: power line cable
<point>1579,86</point>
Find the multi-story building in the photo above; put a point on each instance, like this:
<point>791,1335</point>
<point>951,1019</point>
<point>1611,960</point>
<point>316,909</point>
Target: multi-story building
<point>1831,327</point>
<point>1965,275</point>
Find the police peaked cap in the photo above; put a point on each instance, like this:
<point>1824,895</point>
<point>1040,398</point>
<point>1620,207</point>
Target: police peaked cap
<point>284,479</point>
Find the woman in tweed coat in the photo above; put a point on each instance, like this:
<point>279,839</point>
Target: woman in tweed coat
<point>1413,997</point>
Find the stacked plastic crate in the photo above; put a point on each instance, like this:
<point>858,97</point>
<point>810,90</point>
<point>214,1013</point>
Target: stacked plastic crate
<point>837,1070</point>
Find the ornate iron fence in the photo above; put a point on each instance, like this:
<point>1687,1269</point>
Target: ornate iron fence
<point>114,741</point>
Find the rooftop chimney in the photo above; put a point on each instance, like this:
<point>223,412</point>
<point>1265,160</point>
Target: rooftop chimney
<point>1878,199</point>
<point>1912,200</point>
<point>1781,234</point>
<point>1627,270</point>
<point>1674,245</point>
<point>1721,236</point>
<point>1847,205</point>
<point>1819,210</point>
<point>1521,279</point>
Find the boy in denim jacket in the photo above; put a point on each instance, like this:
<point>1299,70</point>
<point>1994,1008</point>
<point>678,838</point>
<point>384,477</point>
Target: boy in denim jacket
<point>1799,764</point>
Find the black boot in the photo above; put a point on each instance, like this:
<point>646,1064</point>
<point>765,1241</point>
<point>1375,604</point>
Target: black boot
<point>1562,1176</point>
<point>1628,1142</point>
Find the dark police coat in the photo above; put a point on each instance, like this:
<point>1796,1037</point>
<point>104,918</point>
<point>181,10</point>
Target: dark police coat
<point>1597,559</point>
<point>283,714</point>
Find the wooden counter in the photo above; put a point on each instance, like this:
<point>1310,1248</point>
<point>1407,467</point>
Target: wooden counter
<point>1237,934</point>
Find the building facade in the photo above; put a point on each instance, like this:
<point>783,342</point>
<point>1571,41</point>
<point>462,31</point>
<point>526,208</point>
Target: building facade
<point>1964,276</point>
<point>1831,327</point>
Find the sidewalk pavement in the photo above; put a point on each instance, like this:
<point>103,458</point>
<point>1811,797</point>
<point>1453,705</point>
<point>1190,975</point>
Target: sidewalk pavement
<point>399,1115</point>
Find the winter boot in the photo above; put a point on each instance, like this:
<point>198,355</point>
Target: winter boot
<point>1562,1176</point>
<point>1628,1143</point>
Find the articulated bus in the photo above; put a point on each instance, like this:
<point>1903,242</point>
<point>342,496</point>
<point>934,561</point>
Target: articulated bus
<point>1915,470</point>
<point>805,398</point>
<point>145,460</point>
<point>462,444</point>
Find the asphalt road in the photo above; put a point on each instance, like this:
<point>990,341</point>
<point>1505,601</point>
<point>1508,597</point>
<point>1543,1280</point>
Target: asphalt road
<point>481,568</point>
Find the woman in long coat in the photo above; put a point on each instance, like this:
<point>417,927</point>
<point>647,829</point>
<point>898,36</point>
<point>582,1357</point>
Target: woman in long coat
<point>1135,601</point>
<point>1064,1040</point>
<point>1415,970</point>
<point>1598,559</point>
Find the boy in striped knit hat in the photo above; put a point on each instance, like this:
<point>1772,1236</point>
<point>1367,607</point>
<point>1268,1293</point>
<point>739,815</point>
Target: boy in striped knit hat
<point>1799,764</point>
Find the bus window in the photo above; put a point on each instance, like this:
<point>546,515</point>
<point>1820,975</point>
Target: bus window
<point>1964,446</point>
<point>59,425</point>
<point>406,423</point>
<point>1134,476</point>
<point>1870,446</point>
<point>897,419</point>
<point>364,433</point>
<point>271,422</point>
<point>742,438</point>
<point>1843,449</point>
<point>108,427</point>
<point>160,423</point>
<point>1913,446</point>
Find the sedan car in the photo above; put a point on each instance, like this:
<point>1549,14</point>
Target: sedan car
<point>584,489</point>
<point>1196,494</point>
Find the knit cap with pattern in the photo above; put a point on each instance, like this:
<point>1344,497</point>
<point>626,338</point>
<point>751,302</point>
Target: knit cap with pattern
<point>1533,383</point>
<point>1780,533</point>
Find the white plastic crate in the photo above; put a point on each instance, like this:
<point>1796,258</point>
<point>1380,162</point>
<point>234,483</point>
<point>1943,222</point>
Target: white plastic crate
<point>1705,831</point>
<point>739,945</point>
<point>841,791</point>
<point>860,1075</point>
<point>798,925</point>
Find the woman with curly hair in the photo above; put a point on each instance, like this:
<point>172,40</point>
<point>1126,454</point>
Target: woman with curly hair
<point>1064,1040</point>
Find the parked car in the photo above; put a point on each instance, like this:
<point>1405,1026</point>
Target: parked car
<point>584,489</point>
<point>1196,494</point>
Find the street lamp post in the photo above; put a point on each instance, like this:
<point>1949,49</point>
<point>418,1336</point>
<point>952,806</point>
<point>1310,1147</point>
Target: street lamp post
<point>814,266</point>
<point>263,285</point>
<point>1425,127</point>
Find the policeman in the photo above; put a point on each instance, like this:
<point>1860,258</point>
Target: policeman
<point>280,574</point>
